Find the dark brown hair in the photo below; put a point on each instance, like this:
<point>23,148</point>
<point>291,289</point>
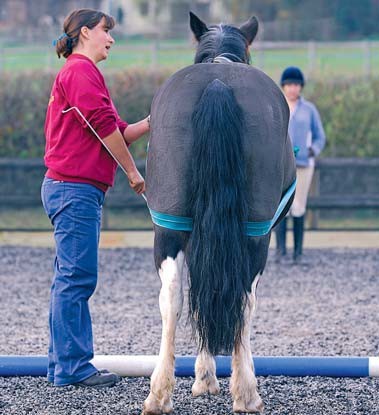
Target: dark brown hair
<point>73,24</point>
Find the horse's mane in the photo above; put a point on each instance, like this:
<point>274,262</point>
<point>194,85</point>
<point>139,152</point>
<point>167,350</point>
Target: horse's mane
<point>224,40</point>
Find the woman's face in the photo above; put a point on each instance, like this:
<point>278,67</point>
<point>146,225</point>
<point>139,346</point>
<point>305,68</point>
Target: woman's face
<point>292,91</point>
<point>100,41</point>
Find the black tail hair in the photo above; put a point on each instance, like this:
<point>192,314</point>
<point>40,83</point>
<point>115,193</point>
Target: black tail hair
<point>217,254</point>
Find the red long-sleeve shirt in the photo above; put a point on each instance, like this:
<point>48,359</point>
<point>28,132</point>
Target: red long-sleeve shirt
<point>73,153</point>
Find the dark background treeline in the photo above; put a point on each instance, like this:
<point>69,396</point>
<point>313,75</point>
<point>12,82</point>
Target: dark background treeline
<point>281,20</point>
<point>313,19</point>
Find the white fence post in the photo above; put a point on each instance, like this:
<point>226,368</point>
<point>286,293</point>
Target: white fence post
<point>312,57</point>
<point>49,62</point>
<point>154,52</point>
<point>366,59</point>
<point>2,58</point>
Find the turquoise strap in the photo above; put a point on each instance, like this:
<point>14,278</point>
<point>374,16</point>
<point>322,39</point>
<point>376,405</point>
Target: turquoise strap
<point>182,223</point>
<point>176,223</point>
<point>263,228</point>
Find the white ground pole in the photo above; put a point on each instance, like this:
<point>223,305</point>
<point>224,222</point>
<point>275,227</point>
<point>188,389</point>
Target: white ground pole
<point>130,366</point>
<point>373,366</point>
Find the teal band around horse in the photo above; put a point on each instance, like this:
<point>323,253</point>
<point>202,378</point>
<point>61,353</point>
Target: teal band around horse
<point>185,224</point>
<point>175,223</point>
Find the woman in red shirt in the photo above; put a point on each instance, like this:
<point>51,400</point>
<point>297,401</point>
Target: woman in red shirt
<point>79,171</point>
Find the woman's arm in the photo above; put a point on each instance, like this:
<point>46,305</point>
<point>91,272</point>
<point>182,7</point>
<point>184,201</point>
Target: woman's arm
<point>115,143</point>
<point>318,133</point>
<point>134,131</point>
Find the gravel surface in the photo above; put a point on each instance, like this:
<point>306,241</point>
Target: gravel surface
<point>328,307</point>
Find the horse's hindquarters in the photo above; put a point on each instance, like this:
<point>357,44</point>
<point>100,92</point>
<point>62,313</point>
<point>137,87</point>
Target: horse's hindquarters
<point>269,165</point>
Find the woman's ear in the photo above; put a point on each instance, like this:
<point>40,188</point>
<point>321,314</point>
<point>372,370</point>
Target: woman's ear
<point>84,31</point>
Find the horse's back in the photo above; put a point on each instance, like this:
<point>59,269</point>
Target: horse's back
<point>265,127</point>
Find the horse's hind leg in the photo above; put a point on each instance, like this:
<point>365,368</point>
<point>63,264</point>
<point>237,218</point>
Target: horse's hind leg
<point>243,384</point>
<point>206,381</point>
<point>169,259</point>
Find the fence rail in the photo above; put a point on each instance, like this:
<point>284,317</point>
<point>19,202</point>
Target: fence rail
<point>341,184</point>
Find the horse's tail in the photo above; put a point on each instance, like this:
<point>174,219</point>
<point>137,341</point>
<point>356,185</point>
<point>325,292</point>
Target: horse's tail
<point>217,254</point>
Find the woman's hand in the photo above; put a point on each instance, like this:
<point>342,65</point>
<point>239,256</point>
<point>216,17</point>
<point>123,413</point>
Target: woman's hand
<point>311,152</point>
<point>136,181</point>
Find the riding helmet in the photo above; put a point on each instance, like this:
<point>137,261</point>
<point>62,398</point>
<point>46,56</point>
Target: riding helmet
<point>292,75</point>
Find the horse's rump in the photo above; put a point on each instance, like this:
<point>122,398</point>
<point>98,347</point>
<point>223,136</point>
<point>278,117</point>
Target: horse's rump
<point>265,124</point>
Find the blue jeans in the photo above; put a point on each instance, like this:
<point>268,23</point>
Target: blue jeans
<point>74,209</point>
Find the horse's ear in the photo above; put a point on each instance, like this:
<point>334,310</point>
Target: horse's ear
<point>249,29</point>
<point>197,26</point>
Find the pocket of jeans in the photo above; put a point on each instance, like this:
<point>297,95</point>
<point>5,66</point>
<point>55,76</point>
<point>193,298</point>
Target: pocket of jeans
<point>52,196</point>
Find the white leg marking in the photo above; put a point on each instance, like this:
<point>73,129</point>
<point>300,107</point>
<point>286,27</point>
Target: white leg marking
<point>206,381</point>
<point>170,304</point>
<point>243,383</point>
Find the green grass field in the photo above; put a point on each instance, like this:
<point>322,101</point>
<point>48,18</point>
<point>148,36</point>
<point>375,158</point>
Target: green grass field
<point>335,60</point>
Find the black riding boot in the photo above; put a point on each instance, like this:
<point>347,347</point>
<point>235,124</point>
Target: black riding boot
<point>280,233</point>
<point>298,234</point>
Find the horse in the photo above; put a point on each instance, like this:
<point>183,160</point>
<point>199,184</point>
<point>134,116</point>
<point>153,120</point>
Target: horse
<point>220,173</point>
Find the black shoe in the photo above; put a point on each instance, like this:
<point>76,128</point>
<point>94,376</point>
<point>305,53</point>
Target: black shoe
<point>51,379</point>
<point>280,257</point>
<point>301,261</point>
<point>298,259</point>
<point>101,379</point>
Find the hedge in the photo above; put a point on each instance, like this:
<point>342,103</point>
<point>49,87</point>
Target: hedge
<point>350,113</point>
<point>349,110</point>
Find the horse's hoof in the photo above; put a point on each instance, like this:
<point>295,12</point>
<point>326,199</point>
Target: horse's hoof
<point>148,412</point>
<point>200,388</point>
<point>157,411</point>
<point>151,411</point>
<point>152,407</point>
<point>167,407</point>
<point>253,407</point>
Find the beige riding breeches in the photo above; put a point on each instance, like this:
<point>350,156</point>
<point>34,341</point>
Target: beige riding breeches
<point>304,180</point>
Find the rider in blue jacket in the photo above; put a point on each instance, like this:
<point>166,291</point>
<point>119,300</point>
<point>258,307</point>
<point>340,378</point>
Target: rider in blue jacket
<point>307,134</point>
